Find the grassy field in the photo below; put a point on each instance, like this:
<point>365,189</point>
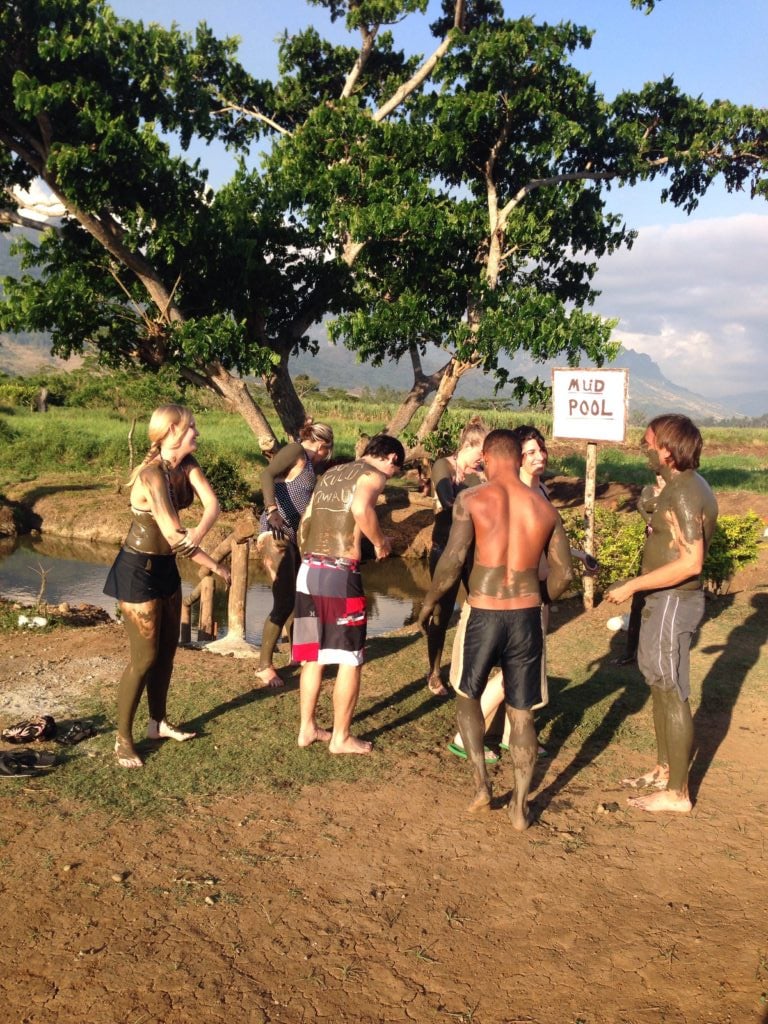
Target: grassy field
<point>94,443</point>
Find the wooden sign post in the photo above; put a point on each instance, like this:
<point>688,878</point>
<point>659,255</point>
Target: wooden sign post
<point>590,405</point>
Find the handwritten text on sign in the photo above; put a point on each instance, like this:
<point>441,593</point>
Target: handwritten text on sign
<point>589,404</point>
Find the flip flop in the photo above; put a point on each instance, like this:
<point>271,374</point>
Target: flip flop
<point>24,763</point>
<point>541,752</point>
<point>41,728</point>
<point>76,733</point>
<point>491,757</point>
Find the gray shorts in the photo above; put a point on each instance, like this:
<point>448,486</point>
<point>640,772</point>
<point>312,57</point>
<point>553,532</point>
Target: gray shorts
<point>669,620</point>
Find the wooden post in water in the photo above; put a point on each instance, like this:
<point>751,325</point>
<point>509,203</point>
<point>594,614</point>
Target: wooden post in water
<point>185,636</point>
<point>205,618</point>
<point>237,591</point>
<point>590,485</point>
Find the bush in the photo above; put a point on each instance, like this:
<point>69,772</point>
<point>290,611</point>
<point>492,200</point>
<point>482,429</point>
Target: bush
<point>232,491</point>
<point>734,545</point>
<point>619,542</point>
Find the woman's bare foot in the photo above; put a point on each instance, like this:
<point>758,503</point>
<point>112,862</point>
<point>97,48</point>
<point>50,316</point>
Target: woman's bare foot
<point>164,730</point>
<point>657,778</point>
<point>664,800</point>
<point>126,754</point>
<point>314,735</point>
<point>436,687</point>
<point>270,678</point>
<point>350,745</point>
<point>481,802</point>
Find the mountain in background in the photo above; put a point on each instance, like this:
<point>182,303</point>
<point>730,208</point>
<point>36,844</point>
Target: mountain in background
<point>650,393</point>
<point>649,390</point>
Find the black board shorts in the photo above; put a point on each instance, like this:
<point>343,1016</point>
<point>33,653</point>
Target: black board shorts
<point>136,577</point>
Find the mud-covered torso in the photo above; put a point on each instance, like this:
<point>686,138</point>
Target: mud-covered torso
<point>144,535</point>
<point>686,502</point>
<point>502,584</point>
<point>332,529</point>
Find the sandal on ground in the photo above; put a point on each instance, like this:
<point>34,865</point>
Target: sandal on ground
<point>164,730</point>
<point>491,757</point>
<point>41,728</point>
<point>541,752</point>
<point>126,754</point>
<point>24,763</point>
<point>436,687</point>
<point>76,733</point>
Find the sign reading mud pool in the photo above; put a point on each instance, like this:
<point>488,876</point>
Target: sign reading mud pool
<point>590,404</point>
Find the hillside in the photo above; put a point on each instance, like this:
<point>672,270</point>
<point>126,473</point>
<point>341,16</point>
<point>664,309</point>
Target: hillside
<point>649,391</point>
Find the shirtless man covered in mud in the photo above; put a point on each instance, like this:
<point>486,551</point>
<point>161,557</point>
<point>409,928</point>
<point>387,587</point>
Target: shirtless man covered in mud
<point>330,616</point>
<point>682,526</point>
<point>511,526</point>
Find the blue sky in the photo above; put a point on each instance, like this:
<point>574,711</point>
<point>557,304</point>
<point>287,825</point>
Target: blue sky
<point>691,286</point>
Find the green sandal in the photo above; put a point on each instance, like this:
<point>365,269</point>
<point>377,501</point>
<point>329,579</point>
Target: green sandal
<point>491,757</point>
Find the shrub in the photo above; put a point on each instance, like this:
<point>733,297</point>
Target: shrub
<point>619,542</point>
<point>734,545</point>
<point>232,491</point>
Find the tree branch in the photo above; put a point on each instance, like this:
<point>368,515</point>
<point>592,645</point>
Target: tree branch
<point>369,37</point>
<point>229,107</point>
<point>422,73</point>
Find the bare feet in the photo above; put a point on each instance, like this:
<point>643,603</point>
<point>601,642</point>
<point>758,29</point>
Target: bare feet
<point>657,778</point>
<point>163,730</point>
<point>482,801</point>
<point>314,735</point>
<point>664,800</point>
<point>520,817</point>
<point>436,687</point>
<point>350,745</point>
<point>270,678</point>
<point>126,754</point>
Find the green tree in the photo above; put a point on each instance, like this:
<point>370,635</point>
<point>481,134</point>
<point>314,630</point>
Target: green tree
<point>454,198</point>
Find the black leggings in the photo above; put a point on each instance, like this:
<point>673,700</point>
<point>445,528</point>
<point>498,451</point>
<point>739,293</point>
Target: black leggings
<point>153,636</point>
<point>282,559</point>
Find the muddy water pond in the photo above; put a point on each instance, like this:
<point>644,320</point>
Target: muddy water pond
<point>75,572</point>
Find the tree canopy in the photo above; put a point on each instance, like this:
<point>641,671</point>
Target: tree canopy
<point>455,198</point>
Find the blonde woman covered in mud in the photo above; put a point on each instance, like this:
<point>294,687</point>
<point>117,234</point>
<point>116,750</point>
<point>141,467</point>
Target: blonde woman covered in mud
<point>287,485</point>
<point>145,579</point>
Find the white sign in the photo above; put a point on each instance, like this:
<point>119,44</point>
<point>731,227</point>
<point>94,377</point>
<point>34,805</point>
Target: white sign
<point>590,404</point>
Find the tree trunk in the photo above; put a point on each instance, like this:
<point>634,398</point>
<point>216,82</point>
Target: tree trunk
<point>236,391</point>
<point>422,386</point>
<point>288,406</point>
<point>452,374</point>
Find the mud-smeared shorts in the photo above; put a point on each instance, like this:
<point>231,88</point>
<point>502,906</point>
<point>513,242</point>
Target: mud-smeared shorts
<point>330,619</point>
<point>669,620</point>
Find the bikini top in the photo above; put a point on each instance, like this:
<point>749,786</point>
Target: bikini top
<point>292,498</point>
<point>145,536</point>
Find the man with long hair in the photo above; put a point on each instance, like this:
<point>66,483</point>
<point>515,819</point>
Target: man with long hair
<point>682,525</point>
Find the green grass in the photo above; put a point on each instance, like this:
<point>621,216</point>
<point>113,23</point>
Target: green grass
<point>248,737</point>
<point>94,443</point>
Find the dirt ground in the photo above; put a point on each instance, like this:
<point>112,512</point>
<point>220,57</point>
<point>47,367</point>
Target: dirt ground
<point>384,901</point>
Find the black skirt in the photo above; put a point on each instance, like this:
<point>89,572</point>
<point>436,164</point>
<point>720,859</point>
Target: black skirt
<point>136,577</point>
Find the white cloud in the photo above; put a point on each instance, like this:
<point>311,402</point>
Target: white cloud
<point>38,202</point>
<point>693,297</point>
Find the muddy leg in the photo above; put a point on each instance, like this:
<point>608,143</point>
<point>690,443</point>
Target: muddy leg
<point>522,746</point>
<point>678,732</point>
<point>469,718</point>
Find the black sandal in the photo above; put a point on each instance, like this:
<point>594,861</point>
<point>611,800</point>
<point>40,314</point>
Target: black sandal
<point>76,733</point>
